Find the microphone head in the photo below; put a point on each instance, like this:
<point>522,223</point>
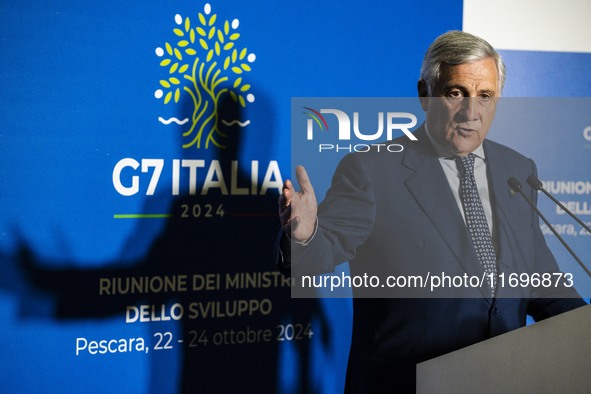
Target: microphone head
<point>534,182</point>
<point>514,184</point>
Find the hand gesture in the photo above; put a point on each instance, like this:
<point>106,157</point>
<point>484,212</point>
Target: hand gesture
<point>297,210</point>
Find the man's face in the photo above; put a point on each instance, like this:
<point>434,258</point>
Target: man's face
<point>462,105</point>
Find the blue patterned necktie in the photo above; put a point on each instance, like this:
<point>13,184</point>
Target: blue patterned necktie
<point>476,219</point>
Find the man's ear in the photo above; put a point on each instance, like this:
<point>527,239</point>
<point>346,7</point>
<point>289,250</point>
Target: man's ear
<point>423,91</point>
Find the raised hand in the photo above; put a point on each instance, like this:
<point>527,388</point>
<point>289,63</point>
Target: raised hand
<point>297,210</point>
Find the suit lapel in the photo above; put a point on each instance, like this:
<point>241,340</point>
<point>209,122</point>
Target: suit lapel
<point>429,187</point>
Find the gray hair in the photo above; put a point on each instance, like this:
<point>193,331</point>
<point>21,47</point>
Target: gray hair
<point>458,47</point>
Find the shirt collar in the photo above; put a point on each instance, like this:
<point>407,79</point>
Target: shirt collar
<point>442,151</point>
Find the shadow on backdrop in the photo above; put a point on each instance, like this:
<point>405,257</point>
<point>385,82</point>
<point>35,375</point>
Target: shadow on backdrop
<point>229,239</point>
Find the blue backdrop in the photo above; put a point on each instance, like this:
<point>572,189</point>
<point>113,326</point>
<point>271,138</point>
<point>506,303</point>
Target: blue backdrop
<point>143,140</point>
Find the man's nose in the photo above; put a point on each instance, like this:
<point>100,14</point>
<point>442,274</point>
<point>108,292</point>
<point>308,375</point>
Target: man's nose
<point>469,110</point>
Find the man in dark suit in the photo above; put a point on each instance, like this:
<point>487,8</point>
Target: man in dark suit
<point>425,210</point>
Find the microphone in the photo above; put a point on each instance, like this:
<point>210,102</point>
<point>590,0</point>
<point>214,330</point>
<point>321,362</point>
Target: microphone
<point>515,185</point>
<point>535,183</point>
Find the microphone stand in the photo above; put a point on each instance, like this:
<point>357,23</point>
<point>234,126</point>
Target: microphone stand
<point>515,185</point>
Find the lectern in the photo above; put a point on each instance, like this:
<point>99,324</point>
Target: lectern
<point>551,356</point>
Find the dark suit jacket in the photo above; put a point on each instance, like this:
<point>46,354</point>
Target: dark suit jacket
<point>394,214</point>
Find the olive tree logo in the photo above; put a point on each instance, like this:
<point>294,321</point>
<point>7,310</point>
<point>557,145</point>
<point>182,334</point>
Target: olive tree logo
<point>205,62</point>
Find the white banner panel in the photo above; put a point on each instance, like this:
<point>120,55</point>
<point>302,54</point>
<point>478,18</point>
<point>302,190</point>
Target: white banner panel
<point>547,25</point>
